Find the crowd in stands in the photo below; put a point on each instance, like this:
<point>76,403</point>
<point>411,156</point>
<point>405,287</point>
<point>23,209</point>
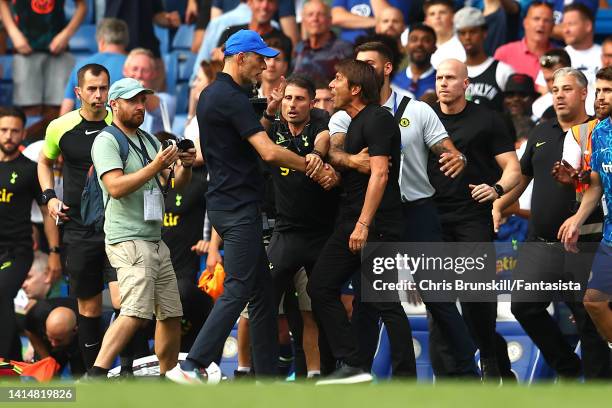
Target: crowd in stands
<point>523,70</point>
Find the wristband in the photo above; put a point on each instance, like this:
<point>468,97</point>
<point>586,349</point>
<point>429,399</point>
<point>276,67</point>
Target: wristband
<point>271,118</point>
<point>363,223</point>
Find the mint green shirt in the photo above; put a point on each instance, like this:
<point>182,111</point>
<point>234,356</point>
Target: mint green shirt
<point>124,217</point>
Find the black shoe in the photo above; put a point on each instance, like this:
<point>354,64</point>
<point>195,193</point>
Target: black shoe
<point>346,375</point>
<point>490,371</point>
<point>243,375</point>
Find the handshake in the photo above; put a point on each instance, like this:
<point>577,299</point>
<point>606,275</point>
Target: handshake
<point>320,172</point>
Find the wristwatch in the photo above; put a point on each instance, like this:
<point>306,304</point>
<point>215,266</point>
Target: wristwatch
<point>47,195</point>
<point>499,190</point>
<point>55,250</point>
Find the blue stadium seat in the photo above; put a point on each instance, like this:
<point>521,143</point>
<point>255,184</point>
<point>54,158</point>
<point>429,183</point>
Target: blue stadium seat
<point>182,97</point>
<point>603,23</point>
<point>183,37</point>
<point>178,126</point>
<point>6,80</point>
<point>179,65</point>
<point>90,17</point>
<point>84,40</point>
<point>163,35</point>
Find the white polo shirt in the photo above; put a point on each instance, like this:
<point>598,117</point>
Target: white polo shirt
<point>421,129</point>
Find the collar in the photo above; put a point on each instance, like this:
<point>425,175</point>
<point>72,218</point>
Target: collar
<point>328,44</point>
<point>222,76</point>
<point>392,102</point>
<point>425,74</point>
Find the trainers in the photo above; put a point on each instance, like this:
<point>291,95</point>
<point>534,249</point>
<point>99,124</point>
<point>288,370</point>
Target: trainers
<point>346,375</point>
<point>210,375</point>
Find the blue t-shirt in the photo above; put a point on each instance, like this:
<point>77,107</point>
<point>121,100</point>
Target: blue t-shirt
<point>601,162</point>
<point>426,83</point>
<point>111,61</point>
<point>226,120</point>
<point>364,8</point>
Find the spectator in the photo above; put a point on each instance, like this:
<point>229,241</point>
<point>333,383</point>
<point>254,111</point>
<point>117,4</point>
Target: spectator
<point>240,15</point>
<point>356,17</point>
<point>323,98</point>
<point>206,74</point>
<point>261,23</point>
<point>559,13</point>
<point>391,22</point>
<point>439,16</point>
<point>140,15</point>
<point>198,11</point>
<point>606,52</point>
<point>276,69</point>
<point>523,55</point>
<point>132,226</point>
<point>317,55</point>
<point>578,32</point>
<point>419,79</point>
<point>161,106</point>
<point>41,64</point>
<point>551,61</point>
<point>112,39</point>
<point>519,95</point>
<point>487,76</point>
<point>285,15</point>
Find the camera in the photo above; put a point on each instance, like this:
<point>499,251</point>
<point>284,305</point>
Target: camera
<point>183,144</point>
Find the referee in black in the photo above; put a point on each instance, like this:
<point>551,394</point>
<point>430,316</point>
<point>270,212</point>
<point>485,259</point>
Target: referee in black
<point>232,137</point>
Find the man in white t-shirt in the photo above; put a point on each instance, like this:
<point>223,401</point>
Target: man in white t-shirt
<point>439,16</point>
<point>578,32</point>
<point>488,76</point>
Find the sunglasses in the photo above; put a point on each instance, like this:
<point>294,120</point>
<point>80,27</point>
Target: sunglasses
<point>548,61</point>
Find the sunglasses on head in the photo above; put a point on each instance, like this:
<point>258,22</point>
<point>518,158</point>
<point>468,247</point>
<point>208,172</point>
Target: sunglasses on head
<point>548,61</point>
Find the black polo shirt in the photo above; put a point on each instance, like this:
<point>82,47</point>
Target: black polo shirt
<point>375,128</point>
<point>551,202</point>
<point>301,203</point>
<point>226,120</point>
<point>480,134</point>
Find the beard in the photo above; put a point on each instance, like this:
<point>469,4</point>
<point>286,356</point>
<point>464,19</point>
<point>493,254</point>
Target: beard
<point>8,151</point>
<point>131,121</point>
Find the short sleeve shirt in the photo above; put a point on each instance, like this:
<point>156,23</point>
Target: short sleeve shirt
<point>227,119</point>
<point>373,127</point>
<point>601,162</point>
<point>18,187</point>
<point>124,217</point>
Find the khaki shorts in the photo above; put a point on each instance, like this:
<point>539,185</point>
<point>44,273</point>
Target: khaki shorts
<point>300,280</point>
<point>40,78</point>
<point>147,282</point>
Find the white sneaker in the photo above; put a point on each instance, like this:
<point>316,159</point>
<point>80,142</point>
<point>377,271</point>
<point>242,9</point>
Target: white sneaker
<point>210,375</point>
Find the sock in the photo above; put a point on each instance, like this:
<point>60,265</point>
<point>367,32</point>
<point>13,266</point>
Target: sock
<point>312,373</point>
<point>241,369</point>
<point>90,338</point>
<point>96,371</point>
<point>285,359</point>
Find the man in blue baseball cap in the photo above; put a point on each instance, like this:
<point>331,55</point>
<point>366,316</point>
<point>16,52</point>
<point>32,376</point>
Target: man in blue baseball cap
<point>232,136</point>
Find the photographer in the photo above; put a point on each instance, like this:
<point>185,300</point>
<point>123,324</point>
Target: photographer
<point>133,196</point>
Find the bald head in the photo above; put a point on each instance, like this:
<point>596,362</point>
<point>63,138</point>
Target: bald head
<point>390,22</point>
<point>316,17</point>
<point>61,326</point>
<point>451,83</point>
<point>455,66</point>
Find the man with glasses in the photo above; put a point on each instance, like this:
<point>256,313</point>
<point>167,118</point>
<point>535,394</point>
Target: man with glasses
<point>551,61</point>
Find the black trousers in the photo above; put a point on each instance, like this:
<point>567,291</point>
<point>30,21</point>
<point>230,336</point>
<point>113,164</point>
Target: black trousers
<point>15,262</point>
<point>247,279</point>
<point>550,262</point>
<point>336,265</point>
<point>480,317</point>
<point>422,224</point>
